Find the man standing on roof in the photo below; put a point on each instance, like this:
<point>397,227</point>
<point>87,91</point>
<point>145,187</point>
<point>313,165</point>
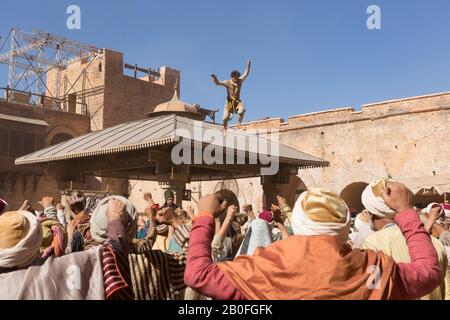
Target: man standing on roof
<point>234,103</point>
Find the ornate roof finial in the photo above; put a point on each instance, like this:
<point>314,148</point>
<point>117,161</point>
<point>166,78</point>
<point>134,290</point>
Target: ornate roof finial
<point>176,94</point>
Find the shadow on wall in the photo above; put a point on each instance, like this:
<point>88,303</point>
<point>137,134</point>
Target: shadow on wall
<point>351,194</point>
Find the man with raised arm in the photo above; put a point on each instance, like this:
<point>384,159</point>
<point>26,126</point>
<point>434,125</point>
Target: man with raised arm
<point>316,263</point>
<point>234,103</point>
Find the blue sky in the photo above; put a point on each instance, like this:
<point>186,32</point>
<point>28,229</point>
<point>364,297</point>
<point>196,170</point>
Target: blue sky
<point>307,55</point>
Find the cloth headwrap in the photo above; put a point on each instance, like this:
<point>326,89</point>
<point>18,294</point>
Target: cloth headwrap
<point>430,206</point>
<point>19,248</point>
<point>320,212</point>
<point>99,220</point>
<point>373,201</point>
<point>361,223</point>
<point>447,210</point>
<point>3,206</point>
<point>168,194</point>
<point>266,216</point>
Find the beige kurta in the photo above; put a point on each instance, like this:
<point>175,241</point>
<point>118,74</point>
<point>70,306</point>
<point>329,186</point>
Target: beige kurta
<point>391,241</point>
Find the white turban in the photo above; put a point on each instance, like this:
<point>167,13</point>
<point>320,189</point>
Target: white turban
<point>446,210</point>
<point>430,206</point>
<point>25,251</point>
<point>99,220</point>
<point>362,224</point>
<point>320,212</point>
<point>373,201</point>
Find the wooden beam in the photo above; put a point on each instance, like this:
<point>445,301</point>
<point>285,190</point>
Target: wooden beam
<point>146,71</point>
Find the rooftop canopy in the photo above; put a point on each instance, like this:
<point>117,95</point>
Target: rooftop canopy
<point>167,147</point>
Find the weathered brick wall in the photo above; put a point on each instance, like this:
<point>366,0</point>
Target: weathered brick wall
<point>127,98</point>
<point>113,97</point>
<point>18,182</point>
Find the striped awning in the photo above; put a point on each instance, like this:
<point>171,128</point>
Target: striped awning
<point>165,130</point>
<point>9,117</point>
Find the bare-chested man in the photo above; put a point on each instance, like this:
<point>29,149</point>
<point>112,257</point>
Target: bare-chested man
<point>234,103</point>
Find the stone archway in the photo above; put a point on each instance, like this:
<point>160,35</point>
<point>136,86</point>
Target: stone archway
<point>60,137</point>
<point>59,134</point>
<point>351,194</point>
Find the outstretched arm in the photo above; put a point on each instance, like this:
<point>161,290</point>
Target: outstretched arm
<point>247,71</point>
<point>217,82</point>
<point>423,274</point>
<point>201,273</point>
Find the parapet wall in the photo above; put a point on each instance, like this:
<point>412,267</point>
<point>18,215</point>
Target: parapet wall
<point>402,139</point>
<point>369,112</point>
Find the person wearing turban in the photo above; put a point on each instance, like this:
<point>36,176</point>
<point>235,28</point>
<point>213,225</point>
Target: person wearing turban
<point>99,220</point>
<point>437,224</point>
<point>389,239</point>
<point>170,200</point>
<point>3,206</point>
<point>259,234</point>
<point>54,236</point>
<point>363,227</point>
<point>20,239</point>
<point>94,274</point>
<point>315,263</point>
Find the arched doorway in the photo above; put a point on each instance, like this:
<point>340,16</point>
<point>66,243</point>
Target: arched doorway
<point>60,137</point>
<point>351,194</point>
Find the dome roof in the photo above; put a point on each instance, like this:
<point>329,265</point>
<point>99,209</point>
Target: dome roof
<point>176,106</point>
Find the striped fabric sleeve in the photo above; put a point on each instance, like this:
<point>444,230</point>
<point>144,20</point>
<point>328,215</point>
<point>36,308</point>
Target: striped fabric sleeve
<point>181,235</point>
<point>116,268</point>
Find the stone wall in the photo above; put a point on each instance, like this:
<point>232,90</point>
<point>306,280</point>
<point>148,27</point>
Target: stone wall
<point>18,183</point>
<point>406,138</point>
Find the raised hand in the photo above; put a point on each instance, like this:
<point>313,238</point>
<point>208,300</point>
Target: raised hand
<point>191,213</point>
<point>47,201</point>
<point>231,211</point>
<point>277,215</point>
<point>148,196</point>
<point>151,214</point>
<point>115,209</point>
<point>165,216</point>
<point>281,201</point>
<point>25,206</point>
<point>213,204</point>
<point>398,197</point>
<point>435,213</point>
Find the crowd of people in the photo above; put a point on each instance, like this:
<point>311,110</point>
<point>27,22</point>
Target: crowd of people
<point>105,248</point>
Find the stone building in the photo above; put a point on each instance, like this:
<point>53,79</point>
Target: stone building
<point>25,128</point>
<point>96,94</point>
<point>403,139</point>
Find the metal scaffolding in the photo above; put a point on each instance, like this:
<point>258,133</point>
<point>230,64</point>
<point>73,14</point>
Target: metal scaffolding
<point>31,56</point>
